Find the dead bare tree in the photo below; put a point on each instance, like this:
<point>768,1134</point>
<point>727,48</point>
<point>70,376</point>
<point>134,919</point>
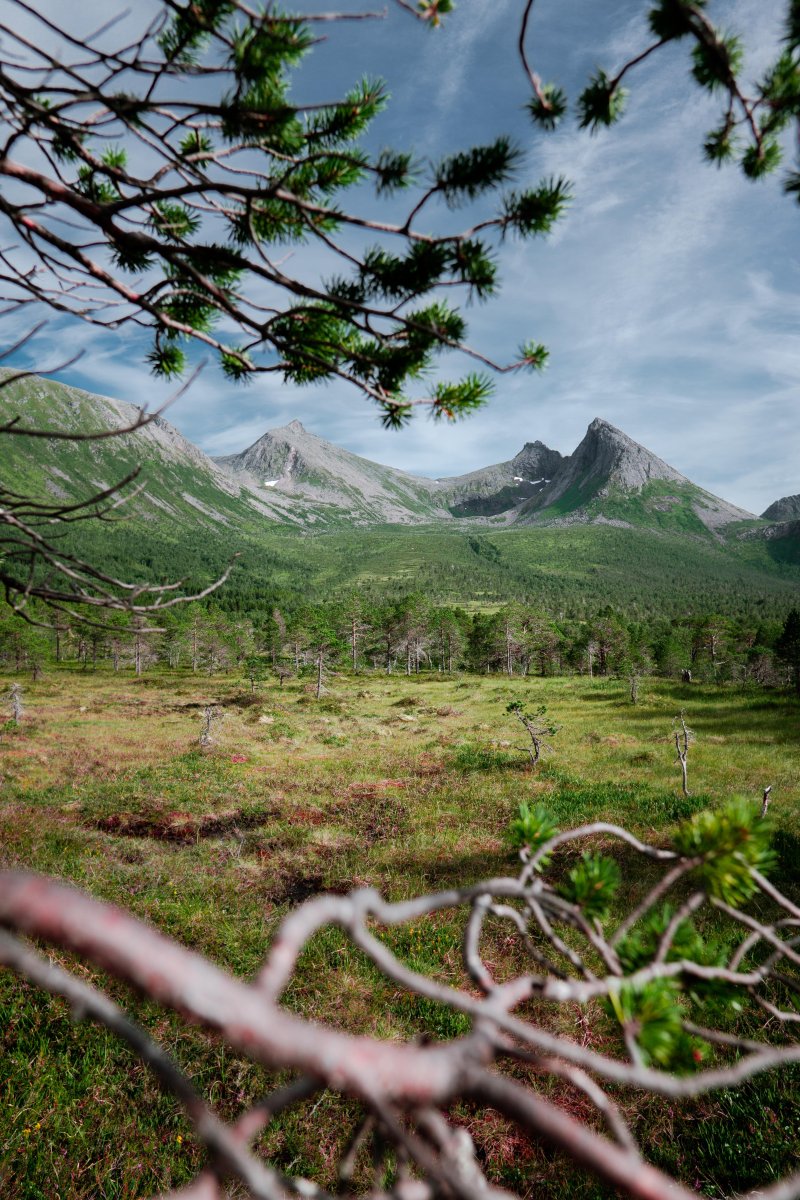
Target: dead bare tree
<point>13,698</point>
<point>683,739</point>
<point>212,719</point>
<point>639,968</point>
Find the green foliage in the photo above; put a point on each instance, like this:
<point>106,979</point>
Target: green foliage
<point>780,88</point>
<point>168,360</point>
<point>385,274</point>
<point>174,221</point>
<point>536,211</point>
<point>534,355</point>
<point>716,62</point>
<point>95,186</point>
<point>454,400</point>
<point>793,24</point>
<point>760,160</point>
<point>308,155</point>
<point>468,757</point>
<point>236,364</point>
<point>547,109</point>
<point>434,10</point>
<point>531,828</point>
<point>672,19</point>
<point>267,47</point>
<point>394,171</point>
<point>720,145</point>
<point>196,146</point>
<point>639,947</point>
<point>653,1016</point>
<point>600,103</point>
<point>471,263</point>
<point>465,175</point>
<point>592,885</point>
<point>729,841</point>
<point>535,716</point>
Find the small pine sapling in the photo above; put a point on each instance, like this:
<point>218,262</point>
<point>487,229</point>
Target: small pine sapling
<point>254,666</point>
<point>537,728</point>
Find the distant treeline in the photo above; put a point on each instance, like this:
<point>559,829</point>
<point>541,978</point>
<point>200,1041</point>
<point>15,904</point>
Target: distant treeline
<point>412,635</point>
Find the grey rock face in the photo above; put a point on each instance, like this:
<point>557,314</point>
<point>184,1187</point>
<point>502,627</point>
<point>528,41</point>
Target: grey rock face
<point>503,487</point>
<point>295,462</point>
<point>606,457</point>
<point>608,462</point>
<point>538,484</point>
<point>785,509</point>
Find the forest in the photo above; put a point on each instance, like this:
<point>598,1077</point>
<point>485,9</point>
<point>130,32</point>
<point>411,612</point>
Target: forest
<point>410,635</point>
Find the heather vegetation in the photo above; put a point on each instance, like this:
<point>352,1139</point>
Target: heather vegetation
<point>407,783</point>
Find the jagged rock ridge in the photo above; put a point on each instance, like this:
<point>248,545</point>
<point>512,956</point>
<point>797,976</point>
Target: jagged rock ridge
<point>504,486</point>
<point>612,477</point>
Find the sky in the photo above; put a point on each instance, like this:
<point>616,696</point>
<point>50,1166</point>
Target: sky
<point>668,295</point>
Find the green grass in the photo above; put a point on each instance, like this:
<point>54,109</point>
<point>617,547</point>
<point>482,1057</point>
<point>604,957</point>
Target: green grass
<point>104,785</point>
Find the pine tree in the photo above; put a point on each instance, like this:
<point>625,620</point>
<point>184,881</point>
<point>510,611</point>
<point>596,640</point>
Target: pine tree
<point>787,647</point>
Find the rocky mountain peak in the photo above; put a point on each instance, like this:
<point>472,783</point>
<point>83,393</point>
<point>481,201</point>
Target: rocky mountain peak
<point>295,427</point>
<point>608,457</point>
<point>785,509</point>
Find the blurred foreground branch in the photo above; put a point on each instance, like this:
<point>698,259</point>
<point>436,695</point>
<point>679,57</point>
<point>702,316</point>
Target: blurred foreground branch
<point>668,999</point>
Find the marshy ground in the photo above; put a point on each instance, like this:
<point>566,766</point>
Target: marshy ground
<point>405,784</point>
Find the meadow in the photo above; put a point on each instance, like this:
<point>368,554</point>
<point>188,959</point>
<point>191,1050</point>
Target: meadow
<point>407,784</point>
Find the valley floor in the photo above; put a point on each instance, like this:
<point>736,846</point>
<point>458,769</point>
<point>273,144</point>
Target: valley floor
<point>404,784</point>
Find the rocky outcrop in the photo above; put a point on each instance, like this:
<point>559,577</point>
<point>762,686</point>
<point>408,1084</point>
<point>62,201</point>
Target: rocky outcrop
<point>295,462</point>
<point>504,486</point>
<point>605,458</point>
<point>785,509</point>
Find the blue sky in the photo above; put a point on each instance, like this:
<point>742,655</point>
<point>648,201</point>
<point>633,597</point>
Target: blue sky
<point>668,296</point>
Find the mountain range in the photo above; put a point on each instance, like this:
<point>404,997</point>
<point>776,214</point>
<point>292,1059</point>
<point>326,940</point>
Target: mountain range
<point>295,477</point>
<point>529,510</point>
<point>607,477</point>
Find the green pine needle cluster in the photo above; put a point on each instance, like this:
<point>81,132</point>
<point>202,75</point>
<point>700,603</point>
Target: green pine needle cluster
<point>592,885</point>
<point>466,175</point>
<point>548,107</point>
<point>639,947</point>
<point>672,19</point>
<point>730,841</point>
<point>531,828</point>
<point>536,210</point>
<point>653,1016</point>
<point>601,103</point>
